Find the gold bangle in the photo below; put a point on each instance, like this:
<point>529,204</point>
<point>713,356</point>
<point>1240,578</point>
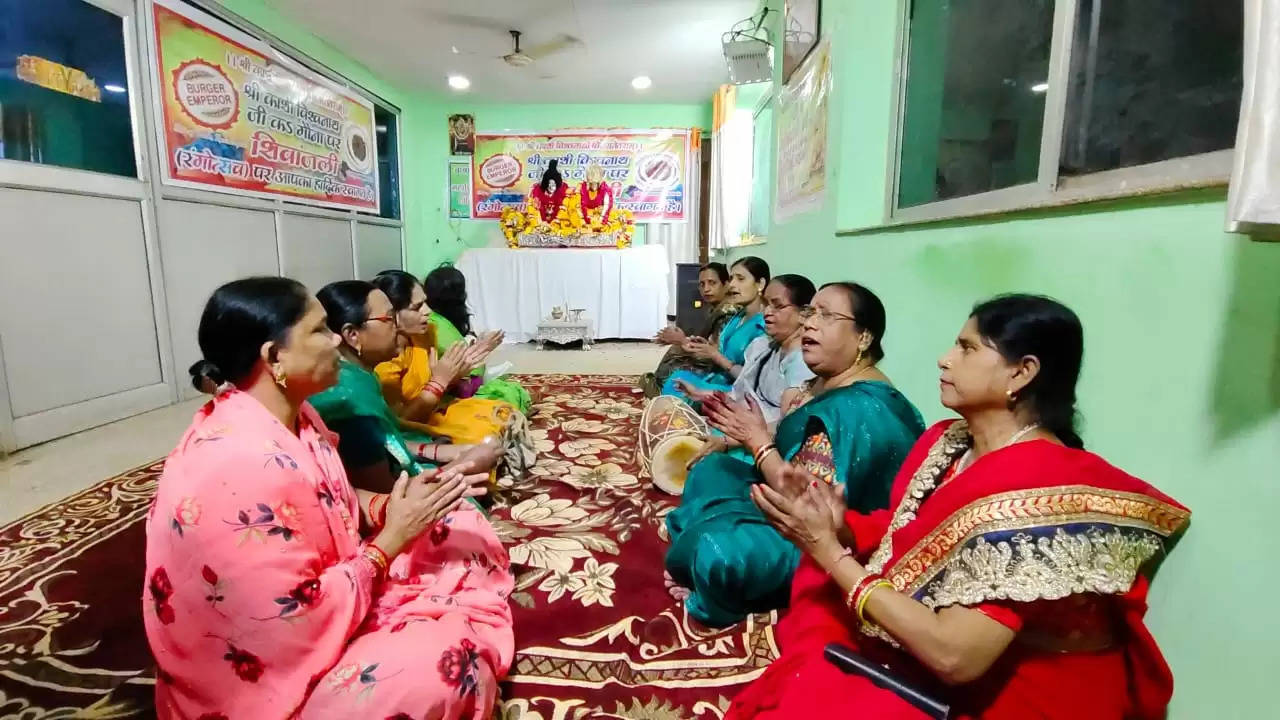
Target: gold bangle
<point>765,452</point>
<point>375,555</point>
<point>866,595</point>
<point>855,592</point>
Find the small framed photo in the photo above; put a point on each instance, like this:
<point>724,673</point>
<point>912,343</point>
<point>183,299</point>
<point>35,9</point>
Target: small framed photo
<point>803,25</point>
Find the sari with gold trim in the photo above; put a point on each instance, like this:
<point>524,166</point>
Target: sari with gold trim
<point>1029,527</point>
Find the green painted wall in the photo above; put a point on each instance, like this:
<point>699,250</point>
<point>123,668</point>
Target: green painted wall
<point>429,236</point>
<point>414,107</point>
<point>1182,370</point>
<point>444,240</point>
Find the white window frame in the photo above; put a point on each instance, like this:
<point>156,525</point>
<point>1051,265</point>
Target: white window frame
<point>1048,189</point>
<point>766,100</point>
<point>76,181</point>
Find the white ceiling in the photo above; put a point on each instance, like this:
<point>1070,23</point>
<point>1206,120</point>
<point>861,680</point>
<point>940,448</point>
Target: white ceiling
<point>411,43</point>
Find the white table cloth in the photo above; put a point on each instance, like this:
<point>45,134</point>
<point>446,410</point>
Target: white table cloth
<point>624,292</point>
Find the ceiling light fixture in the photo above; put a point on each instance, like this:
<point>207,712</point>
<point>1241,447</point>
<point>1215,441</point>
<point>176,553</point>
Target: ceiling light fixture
<point>458,82</point>
<point>1039,88</point>
<point>642,82</point>
<point>115,88</point>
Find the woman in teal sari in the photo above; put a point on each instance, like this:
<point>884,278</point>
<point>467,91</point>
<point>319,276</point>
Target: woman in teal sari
<point>446,289</point>
<point>371,442</point>
<point>850,428</point>
<point>747,280</point>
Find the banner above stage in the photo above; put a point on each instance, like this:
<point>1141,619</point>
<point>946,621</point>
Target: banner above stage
<point>648,169</point>
<point>235,119</point>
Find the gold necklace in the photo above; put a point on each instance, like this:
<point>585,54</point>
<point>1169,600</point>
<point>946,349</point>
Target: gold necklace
<point>967,459</point>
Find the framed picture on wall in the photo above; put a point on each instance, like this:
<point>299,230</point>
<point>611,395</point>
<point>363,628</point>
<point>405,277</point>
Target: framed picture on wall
<point>462,134</point>
<point>803,28</point>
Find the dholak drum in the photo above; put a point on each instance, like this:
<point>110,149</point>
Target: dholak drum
<point>671,433</point>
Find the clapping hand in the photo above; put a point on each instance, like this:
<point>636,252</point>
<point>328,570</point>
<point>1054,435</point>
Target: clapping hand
<point>670,335</point>
<point>695,394</point>
<point>415,505</point>
<point>447,368</point>
<point>491,340</point>
<point>700,348</point>
<point>810,519</point>
<point>743,422</point>
<point>711,445</point>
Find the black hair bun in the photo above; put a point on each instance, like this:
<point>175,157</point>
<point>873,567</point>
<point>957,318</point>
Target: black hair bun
<point>206,377</point>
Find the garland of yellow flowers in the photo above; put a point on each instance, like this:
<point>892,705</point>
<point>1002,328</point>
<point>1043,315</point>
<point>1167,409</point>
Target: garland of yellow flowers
<point>568,222</point>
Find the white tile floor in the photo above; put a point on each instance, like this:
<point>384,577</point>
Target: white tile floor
<point>44,474</point>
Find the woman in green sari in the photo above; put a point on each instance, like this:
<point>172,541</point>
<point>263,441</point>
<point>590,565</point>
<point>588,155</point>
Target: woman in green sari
<point>850,428</point>
<point>446,289</point>
<point>373,446</point>
<point>747,280</point>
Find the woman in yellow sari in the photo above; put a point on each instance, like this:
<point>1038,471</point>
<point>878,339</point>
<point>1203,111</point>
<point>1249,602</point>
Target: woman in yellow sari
<point>414,382</point>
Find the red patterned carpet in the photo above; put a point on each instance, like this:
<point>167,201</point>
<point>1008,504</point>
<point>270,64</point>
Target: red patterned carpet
<point>597,635</point>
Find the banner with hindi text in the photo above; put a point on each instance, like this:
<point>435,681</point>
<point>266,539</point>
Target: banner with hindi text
<point>647,169</point>
<point>802,136</point>
<point>237,119</point>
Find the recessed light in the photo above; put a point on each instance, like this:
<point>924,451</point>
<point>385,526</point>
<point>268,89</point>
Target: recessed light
<point>454,48</point>
<point>458,82</point>
<point>1040,87</point>
<point>642,82</point>
<point>115,88</point>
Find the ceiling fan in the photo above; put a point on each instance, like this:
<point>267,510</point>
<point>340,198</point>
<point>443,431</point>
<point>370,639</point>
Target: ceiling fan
<point>519,58</point>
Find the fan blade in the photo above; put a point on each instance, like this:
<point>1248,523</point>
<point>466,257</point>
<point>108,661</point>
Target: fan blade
<point>470,21</point>
<point>560,44</point>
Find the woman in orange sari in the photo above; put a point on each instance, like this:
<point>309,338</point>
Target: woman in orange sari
<point>276,589</point>
<point>1009,577</point>
<point>416,380</point>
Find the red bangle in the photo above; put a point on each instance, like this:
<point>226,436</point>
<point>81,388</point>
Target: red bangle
<point>378,513</point>
<point>862,585</point>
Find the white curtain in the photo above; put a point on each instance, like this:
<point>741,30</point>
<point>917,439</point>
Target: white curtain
<point>1254,198</point>
<point>681,239</point>
<point>731,150</point>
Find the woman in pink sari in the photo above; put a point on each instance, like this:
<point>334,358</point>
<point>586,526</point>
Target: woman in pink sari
<point>277,590</point>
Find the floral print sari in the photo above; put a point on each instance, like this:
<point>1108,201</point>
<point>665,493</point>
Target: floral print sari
<point>259,604</point>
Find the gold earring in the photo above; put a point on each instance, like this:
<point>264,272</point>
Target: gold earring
<point>278,373</point>
<point>1012,397</point>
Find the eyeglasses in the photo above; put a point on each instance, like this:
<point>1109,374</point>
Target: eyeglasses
<point>824,315</point>
<point>390,319</point>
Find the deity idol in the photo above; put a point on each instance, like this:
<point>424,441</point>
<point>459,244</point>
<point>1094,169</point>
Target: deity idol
<point>597,199</point>
<point>548,195</point>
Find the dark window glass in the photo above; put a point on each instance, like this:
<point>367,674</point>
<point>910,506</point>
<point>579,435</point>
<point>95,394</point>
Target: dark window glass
<point>388,161</point>
<point>64,94</point>
<point>1152,80</point>
<point>976,85</point>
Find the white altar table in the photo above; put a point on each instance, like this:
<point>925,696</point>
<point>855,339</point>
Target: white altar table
<point>624,292</point>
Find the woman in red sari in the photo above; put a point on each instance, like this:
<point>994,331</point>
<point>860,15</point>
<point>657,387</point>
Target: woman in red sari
<point>1009,577</point>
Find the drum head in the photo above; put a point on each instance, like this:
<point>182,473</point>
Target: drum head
<point>671,457</point>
